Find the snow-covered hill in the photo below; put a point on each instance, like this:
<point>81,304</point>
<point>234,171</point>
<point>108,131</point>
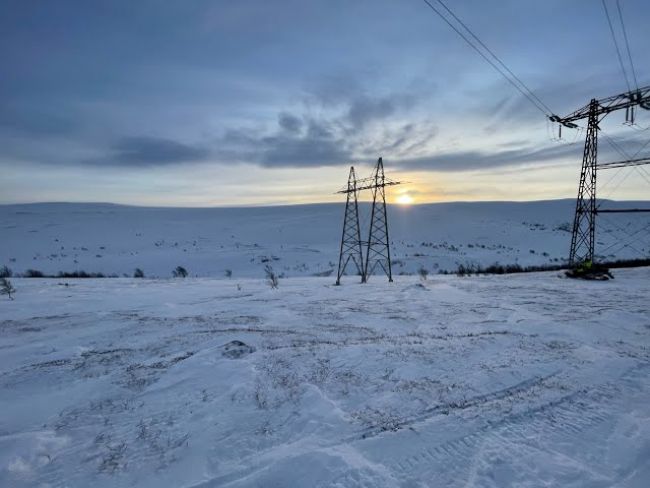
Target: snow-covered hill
<point>297,240</point>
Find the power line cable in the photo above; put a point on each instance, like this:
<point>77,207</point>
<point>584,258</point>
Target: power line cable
<point>643,173</point>
<point>626,157</point>
<point>498,60</point>
<point>482,54</point>
<point>626,242</point>
<point>627,43</point>
<point>618,51</point>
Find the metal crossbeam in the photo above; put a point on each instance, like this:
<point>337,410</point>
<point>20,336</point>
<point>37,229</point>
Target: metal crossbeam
<point>627,100</point>
<point>368,184</point>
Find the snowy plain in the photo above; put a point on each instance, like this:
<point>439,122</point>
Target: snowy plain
<point>490,381</point>
<point>301,240</point>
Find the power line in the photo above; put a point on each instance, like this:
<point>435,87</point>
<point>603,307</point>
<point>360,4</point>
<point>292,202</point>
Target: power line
<point>501,63</point>
<point>626,157</point>
<point>632,238</point>
<point>538,106</point>
<point>618,51</point>
<point>627,44</point>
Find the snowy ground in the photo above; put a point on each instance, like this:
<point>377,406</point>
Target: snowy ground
<point>521,380</point>
<point>300,240</point>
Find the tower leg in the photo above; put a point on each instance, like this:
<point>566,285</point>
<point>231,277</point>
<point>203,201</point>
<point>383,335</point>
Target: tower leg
<point>584,222</point>
<point>378,252</point>
<point>351,238</point>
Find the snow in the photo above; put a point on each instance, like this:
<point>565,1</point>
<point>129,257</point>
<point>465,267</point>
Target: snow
<point>296,240</point>
<point>491,381</point>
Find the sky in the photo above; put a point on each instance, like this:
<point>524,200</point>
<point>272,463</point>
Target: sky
<point>257,102</point>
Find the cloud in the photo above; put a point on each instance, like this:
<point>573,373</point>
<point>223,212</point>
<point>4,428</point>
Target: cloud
<point>337,122</point>
<point>25,119</point>
<point>319,146</point>
<point>365,109</point>
<point>289,123</point>
<point>479,160</point>
<point>149,152</point>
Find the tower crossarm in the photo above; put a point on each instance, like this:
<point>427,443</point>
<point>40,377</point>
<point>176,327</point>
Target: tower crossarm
<point>369,183</point>
<point>607,105</point>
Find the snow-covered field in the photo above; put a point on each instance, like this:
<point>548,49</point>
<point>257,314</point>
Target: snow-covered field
<point>297,240</point>
<point>521,380</point>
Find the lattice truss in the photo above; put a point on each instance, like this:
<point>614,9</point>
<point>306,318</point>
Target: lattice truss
<point>377,255</point>
<point>633,232</point>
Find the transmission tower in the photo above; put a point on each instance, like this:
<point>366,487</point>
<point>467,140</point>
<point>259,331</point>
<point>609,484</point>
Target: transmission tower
<point>378,244</point>
<point>378,252</point>
<point>351,239</point>
<point>584,222</point>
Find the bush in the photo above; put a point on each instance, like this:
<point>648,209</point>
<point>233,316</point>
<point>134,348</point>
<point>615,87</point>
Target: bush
<point>179,272</point>
<point>33,273</point>
<point>423,272</point>
<point>138,273</point>
<point>6,288</point>
<point>79,274</point>
<point>271,278</point>
<point>6,272</point>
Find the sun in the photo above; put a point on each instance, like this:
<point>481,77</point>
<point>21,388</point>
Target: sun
<point>405,199</point>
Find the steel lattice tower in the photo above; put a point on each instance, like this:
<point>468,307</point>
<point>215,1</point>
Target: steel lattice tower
<point>351,238</point>
<point>584,222</point>
<point>583,238</point>
<point>378,252</point>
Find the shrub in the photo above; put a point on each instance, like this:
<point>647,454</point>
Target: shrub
<point>5,272</point>
<point>423,272</point>
<point>138,273</point>
<point>33,273</point>
<point>179,272</point>
<point>79,274</point>
<point>271,278</point>
<point>463,270</point>
<point>6,288</point>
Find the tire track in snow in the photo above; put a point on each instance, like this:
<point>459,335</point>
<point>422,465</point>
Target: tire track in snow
<point>566,416</point>
<point>374,432</point>
<point>461,405</point>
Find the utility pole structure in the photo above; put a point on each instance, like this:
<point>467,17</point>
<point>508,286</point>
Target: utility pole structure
<point>378,252</point>
<point>378,244</point>
<point>351,238</point>
<point>584,222</point>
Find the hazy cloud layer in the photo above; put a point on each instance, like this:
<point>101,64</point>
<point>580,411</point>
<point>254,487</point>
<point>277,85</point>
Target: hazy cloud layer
<point>152,151</point>
<point>480,160</point>
<point>112,87</point>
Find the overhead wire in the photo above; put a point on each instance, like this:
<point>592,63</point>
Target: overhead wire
<point>632,237</point>
<point>513,79</point>
<point>618,51</point>
<point>625,156</point>
<point>627,43</point>
<point>498,60</point>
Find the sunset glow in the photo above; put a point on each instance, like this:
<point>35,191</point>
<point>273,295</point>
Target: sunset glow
<point>405,199</point>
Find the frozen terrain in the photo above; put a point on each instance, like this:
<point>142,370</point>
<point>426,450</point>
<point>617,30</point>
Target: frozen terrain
<point>521,380</point>
<point>297,240</point>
